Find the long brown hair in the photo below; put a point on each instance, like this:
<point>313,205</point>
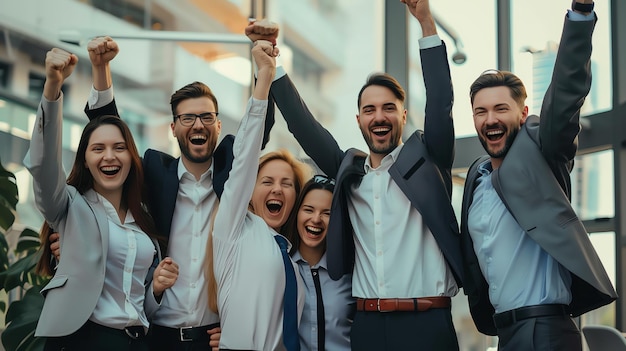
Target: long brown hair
<point>132,192</point>
<point>44,265</point>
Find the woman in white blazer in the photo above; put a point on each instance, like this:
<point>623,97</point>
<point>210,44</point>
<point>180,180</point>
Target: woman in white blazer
<point>95,301</point>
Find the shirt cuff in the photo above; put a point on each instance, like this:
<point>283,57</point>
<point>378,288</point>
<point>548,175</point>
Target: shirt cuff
<point>429,42</point>
<point>99,98</point>
<point>575,16</point>
<point>257,107</point>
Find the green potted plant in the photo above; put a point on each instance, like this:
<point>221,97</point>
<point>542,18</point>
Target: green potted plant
<point>17,275</point>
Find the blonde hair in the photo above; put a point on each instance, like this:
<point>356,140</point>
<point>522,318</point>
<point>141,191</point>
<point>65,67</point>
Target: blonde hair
<point>301,172</point>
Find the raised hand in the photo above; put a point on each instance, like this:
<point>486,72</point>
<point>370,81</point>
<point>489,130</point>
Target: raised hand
<point>59,65</point>
<point>102,50</point>
<point>264,53</point>
<point>55,245</point>
<point>420,9</point>
<point>262,30</point>
<point>164,276</point>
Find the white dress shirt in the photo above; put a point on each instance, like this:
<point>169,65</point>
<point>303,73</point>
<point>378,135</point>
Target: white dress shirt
<point>248,263</point>
<point>129,257</point>
<point>185,304</point>
<point>396,254</point>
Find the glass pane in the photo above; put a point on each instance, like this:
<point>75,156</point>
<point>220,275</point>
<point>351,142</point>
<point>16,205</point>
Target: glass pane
<point>604,243</point>
<point>534,51</point>
<point>593,185</point>
<point>459,30</point>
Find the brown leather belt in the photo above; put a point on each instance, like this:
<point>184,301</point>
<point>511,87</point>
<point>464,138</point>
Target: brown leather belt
<point>407,305</point>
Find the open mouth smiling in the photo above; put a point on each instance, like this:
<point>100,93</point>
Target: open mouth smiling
<point>110,170</point>
<point>494,134</point>
<point>274,206</point>
<point>315,231</point>
<point>381,130</point>
<point>198,139</point>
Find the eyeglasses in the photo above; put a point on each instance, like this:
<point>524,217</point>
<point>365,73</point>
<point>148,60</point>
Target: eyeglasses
<point>322,179</point>
<point>188,119</point>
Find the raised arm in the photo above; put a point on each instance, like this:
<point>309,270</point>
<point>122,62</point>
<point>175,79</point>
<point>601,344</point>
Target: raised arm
<point>44,156</point>
<point>438,123</point>
<point>316,141</point>
<point>101,51</point>
<point>246,150</point>
<point>570,84</point>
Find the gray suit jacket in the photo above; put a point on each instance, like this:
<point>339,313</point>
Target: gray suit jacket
<point>534,184</point>
<point>73,292</point>
<point>422,171</point>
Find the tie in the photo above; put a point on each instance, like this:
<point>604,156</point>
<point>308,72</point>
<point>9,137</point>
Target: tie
<point>321,322</point>
<point>290,305</point>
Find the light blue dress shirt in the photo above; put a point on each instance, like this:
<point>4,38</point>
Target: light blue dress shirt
<point>339,307</point>
<point>519,272</point>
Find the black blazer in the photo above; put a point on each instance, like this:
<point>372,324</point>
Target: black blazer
<point>160,170</point>
<point>422,171</point>
<point>536,168</point>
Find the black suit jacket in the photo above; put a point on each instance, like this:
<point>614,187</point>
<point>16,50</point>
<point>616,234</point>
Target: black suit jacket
<point>160,171</point>
<point>422,171</point>
<point>536,168</point>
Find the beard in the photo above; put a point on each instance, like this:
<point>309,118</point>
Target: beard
<point>385,148</point>
<point>201,158</point>
<point>505,149</point>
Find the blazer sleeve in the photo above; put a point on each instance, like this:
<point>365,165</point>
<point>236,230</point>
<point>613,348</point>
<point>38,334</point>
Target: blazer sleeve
<point>43,160</point>
<point>316,141</point>
<point>438,122</point>
<point>570,84</point>
<point>108,109</point>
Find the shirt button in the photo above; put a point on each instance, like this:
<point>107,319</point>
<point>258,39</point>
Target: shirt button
<point>380,284</point>
<point>377,222</point>
<point>192,285</point>
<point>380,253</point>
<point>489,259</point>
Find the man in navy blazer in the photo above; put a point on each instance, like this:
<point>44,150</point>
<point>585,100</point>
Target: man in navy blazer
<point>182,195</point>
<point>391,221</point>
<point>529,263</point>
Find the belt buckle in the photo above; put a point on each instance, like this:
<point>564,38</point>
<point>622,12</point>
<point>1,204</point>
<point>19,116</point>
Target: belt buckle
<point>383,310</point>
<point>181,330</point>
<point>132,335</point>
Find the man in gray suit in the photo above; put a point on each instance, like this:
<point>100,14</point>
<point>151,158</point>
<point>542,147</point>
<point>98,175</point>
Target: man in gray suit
<point>529,263</point>
<point>392,224</point>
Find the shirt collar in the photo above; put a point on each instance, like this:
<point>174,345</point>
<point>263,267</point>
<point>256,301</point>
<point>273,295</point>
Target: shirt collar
<point>112,213</point>
<point>297,257</point>
<point>389,159</point>
<point>183,172</point>
<point>485,168</point>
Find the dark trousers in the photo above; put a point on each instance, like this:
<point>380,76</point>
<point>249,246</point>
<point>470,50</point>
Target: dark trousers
<point>95,337</point>
<point>168,339</point>
<point>550,333</point>
<point>427,330</point>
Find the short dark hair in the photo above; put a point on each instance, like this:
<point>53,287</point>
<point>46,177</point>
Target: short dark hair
<point>383,80</point>
<point>496,78</point>
<point>190,91</point>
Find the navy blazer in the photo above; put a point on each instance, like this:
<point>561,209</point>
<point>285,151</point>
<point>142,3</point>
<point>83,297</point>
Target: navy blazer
<point>537,168</point>
<point>422,171</point>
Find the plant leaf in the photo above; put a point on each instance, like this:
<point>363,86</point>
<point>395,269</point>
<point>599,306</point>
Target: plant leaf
<point>28,242</point>
<point>19,273</point>
<point>21,320</point>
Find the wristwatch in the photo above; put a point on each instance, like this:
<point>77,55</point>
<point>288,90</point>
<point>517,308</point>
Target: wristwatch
<point>586,8</point>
